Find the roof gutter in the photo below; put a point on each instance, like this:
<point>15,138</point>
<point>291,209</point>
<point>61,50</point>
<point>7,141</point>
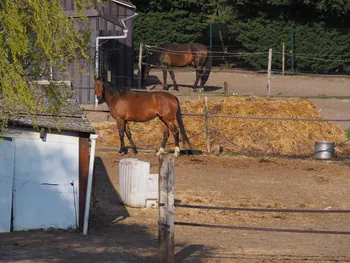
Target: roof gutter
<point>93,138</point>
<point>125,34</point>
<point>130,5</point>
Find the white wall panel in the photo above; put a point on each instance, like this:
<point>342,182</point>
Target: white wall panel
<point>44,171</point>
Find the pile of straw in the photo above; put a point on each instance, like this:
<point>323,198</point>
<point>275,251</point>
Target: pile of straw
<point>250,136</point>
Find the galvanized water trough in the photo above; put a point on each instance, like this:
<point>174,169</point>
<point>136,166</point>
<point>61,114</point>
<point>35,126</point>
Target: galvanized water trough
<point>324,150</point>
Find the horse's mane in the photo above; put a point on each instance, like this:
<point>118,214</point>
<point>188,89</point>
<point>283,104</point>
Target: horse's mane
<point>113,91</point>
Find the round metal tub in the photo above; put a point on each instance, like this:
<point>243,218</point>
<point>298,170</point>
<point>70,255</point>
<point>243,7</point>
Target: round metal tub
<point>324,150</point>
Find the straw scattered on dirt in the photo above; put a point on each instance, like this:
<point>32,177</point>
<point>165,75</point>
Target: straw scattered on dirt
<point>242,135</point>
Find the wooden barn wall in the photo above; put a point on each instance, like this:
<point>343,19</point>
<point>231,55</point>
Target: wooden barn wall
<point>68,4</point>
<point>116,55</point>
<point>81,72</point>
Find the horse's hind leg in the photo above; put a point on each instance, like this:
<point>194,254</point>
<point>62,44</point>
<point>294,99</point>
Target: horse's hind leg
<point>172,75</point>
<point>165,138</point>
<point>175,132</point>
<point>128,134</point>
<point>121,130</point>
<point>198,76</point>
<point>165,85</point>
<point>204,78</point>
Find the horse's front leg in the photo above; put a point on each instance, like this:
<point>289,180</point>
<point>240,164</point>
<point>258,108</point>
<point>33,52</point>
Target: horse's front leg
<point>165,139</point>
<point>172,75</point>
<point>121,130</point>
<point>128,134</point>
<point>198,76</point>
<point>165,85</point>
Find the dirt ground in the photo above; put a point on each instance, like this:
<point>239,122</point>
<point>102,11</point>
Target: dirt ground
<point>122,234</point>
<point>251,83</point>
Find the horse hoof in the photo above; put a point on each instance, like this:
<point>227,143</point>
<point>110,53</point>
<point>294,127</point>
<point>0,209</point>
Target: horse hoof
<point>201,90</point>
<point>134,151</point>
<point>122,151</point>
<point>161,151</point>
<point>177,151</point>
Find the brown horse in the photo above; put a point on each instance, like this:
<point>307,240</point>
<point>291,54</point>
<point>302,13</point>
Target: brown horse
<point>180,55</point>
<point>141,106</point>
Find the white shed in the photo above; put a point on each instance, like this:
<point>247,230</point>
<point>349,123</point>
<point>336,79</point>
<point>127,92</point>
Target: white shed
<point>44,172</point>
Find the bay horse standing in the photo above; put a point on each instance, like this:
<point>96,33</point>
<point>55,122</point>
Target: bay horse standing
<point>141,106</point>
<point>179,55</point>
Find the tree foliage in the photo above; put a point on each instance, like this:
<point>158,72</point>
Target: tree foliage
<point>316,48</point>
<point>179,21</point>
<point>35,35</point>
<point>321,39</point>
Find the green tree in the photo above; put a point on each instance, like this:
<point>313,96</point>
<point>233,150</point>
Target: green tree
<point>36,35</point>
<point>321,39</point>
<point>181,21</point>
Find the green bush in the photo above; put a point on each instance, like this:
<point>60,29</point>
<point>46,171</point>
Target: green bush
<point>316,48</point>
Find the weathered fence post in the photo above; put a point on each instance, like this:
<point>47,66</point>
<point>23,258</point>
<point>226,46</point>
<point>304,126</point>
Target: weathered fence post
<point>269,72</point>
<point>207,131</point>
<point>225,89</point>
<point>166,210</point>
<point>140,66</point>
<point>283,50</point>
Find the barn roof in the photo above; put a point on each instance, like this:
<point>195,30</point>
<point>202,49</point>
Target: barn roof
<point>113,19</point>
<point>70,117</point>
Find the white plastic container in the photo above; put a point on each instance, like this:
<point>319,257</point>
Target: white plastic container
<point>138,188</point>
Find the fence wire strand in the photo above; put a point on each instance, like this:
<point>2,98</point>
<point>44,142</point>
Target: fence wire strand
<point>266,229</point>
<point>268,210</point>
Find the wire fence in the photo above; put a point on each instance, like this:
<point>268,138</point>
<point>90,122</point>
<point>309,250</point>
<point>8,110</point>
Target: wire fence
<point>227,54</point>
<point>256,89</point>
<point>224,55</point>
<point>265,229</point>
<point>263,210</point>
<point>167,212</point>
<point>273,86</point>
<point>215,135</point>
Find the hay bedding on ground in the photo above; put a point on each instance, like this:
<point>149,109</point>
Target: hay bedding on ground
<point>250,136</point>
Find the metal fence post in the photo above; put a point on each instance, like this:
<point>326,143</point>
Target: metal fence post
<point>140,67</point>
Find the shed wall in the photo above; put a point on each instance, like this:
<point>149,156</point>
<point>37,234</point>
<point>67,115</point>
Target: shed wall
<point>46,183</point>
<point>43,180</point>
<point>6,183</point>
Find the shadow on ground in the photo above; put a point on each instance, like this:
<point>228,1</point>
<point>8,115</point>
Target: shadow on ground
<point>154,81</point>
<point>109,239</point>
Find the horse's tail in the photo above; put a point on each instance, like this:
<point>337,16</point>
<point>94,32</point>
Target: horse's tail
<point>181,125</point>
<point>207,67</point>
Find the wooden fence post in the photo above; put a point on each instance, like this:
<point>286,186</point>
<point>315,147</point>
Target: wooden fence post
<point>207,131</point>
<point>225,89</point>
<point>166,210</point>
<point>269,72</point>
<point>283,50</point>
<point>140,66</point>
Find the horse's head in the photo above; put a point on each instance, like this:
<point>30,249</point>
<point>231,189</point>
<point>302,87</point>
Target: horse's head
<point>99,88</point>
